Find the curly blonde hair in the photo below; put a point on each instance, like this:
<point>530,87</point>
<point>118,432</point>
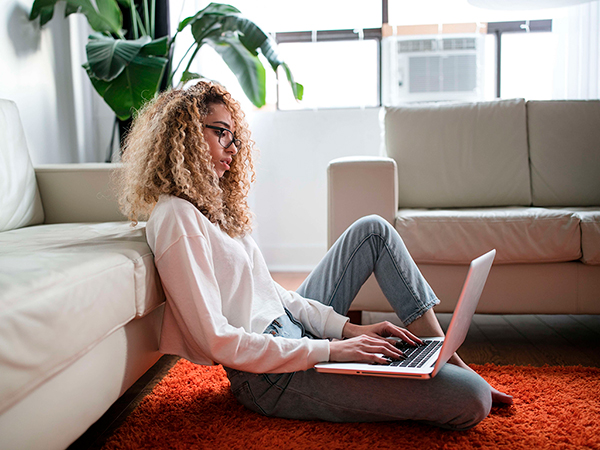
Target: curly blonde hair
<point>165,153</point>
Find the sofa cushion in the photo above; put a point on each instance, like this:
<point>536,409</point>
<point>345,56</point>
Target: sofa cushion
<point>459,154</point>
<point>19,197</point>
<point>519,234</point>
<point>590,235</point>
<point>589,218</point>
<point>64,288</point>
<point>564,145</point>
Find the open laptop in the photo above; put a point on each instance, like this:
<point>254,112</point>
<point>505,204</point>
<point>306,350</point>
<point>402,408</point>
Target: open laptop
<point>427,360</point>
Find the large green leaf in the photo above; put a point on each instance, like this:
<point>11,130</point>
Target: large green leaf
<point>250,34</point>
<point>38,5</point>
<point>107,57</point>
<point>254,38</point>
<point>218,20</point>
<point>247,67</point>
<point>138,83</point>
<point>157,47</point>
<point>70,9</point>
<point>215,9</point>
<point>110,11</point>
<point>187,76</point>
<point>106,18</point>
<point>297,88</point>
<point>44,9</point>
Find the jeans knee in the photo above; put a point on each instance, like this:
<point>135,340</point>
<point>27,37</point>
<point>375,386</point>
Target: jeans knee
<point>477,405</point>
<point>372,224</point>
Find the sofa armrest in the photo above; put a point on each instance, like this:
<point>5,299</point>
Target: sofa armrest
<point>78,192</point>
<point>359,186</point>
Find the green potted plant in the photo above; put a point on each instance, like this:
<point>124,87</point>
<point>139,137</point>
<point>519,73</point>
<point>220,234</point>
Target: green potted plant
<point>129,72</point>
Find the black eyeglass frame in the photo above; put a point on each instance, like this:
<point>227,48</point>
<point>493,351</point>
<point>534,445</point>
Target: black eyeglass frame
<point>235,141</point>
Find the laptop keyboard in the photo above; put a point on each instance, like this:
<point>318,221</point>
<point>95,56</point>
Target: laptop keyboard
<point>415,356</point>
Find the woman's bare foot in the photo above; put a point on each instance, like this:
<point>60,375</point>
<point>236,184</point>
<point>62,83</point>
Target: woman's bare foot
<point>499,398</point>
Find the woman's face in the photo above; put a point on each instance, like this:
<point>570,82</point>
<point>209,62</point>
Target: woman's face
<point>219,130</point>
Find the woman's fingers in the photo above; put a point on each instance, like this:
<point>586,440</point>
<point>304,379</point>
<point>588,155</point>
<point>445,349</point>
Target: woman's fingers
<point>391,330</point>
<point>380,329</point>
<point>385,347</point>
<point>364,349</point>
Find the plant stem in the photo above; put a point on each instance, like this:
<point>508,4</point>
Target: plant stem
<point>170,81</point>
<point>134,17</point>
<point>192,58</point>
<point>153,18</point>
<point>147,17</point>
<point>141,25</point>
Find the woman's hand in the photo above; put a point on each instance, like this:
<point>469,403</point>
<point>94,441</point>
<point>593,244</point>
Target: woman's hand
<point>363,348</point>
<point>381,329</point>
<point>368,343</point>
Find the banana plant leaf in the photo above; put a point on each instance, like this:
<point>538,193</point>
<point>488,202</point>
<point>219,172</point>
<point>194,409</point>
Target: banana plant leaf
<point>246,66</point>
<point>137,82</point>
<point>188,76</point>
<point>127,73</point>
<point>108,57</point>
<point>105,17</point>
<point>218,9</point>
<point>44,9</point>
<point>238,40</point>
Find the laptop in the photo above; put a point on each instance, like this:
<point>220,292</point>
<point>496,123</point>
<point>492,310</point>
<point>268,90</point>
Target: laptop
<point>425,361</point>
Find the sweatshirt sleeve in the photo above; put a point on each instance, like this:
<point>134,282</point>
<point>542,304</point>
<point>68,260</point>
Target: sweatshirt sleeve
<point>319,319</point>
<point>198,327</point>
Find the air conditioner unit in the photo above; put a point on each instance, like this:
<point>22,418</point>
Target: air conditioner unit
<point>432,68</point>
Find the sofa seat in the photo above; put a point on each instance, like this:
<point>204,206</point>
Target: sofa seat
<point>521,235</point>
<point>589,218</point>
<point>63,289</point>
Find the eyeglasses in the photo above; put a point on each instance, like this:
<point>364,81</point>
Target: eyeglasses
<point>226,137</point>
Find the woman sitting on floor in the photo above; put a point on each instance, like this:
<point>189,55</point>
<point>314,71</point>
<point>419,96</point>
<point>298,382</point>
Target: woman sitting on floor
<point>188,166</point>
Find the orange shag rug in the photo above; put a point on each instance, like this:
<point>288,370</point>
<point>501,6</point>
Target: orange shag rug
<point>193,408</point>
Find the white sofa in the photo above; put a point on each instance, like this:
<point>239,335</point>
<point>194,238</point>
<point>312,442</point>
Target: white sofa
<point>458,179</point>
<point>80,299</point>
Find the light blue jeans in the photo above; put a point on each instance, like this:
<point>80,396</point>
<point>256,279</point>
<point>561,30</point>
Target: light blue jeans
<point>455,398</point>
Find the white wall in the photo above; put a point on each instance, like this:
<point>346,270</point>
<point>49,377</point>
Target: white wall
<point>290,195</point>
<point>36,74</point>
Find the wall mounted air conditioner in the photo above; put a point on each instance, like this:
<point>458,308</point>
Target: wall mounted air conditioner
<point>432,68</point>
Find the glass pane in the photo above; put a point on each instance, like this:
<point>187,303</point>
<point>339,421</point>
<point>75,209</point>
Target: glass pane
<point>307,15</point>
<point>424,12</point>
<point>278,16</point>
<point>528,61</point>
<point>335,74</point>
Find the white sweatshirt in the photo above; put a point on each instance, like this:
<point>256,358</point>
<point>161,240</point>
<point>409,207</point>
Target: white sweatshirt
<point>221,297</point>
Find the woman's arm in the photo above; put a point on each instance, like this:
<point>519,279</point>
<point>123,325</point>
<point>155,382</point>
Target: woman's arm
<point>194,299</point>
<point>320,320</point>
<point>359,343</point>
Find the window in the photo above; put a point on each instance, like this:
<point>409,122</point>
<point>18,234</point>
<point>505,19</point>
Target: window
<point>527,68</point>
<point>525,58</point>
<point>339,51</point>
<point>338,70</point>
